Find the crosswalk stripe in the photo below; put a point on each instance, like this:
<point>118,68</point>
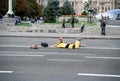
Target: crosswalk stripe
<point>68,60</point>
<point>98,75</point>
<point>6,72</point>
<point>14,46</point>
<point>109,48</point>
<point>21,55</point>
<point>94,57</point>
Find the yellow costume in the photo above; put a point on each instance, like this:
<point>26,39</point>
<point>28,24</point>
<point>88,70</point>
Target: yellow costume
<point>61,44</point>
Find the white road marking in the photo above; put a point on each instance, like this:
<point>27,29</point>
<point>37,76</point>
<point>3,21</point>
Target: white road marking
<point>68,60</point>
<point>98,75</point>
<point>115,48</point>
<point>21,55</point>
<point>93,57</point>
<point>14,46</point>
<point>47,53</point>
<point>2,72</point>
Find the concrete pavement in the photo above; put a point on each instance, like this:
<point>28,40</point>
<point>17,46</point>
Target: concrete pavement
<point>55,35</point>
<point>112,32</point>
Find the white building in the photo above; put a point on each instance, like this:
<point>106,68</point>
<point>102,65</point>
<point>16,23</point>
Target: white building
<point>78,5</point>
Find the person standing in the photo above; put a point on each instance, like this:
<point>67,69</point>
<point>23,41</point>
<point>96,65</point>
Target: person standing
<point>103,26</point>
<point>63,23</point>
<point>72,21</point>
<point>82,27</point>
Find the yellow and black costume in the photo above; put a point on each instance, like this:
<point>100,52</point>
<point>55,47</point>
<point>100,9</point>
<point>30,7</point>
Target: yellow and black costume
<point>61,44</point>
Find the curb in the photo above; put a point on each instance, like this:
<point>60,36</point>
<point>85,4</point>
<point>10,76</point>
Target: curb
<point>69,37</point>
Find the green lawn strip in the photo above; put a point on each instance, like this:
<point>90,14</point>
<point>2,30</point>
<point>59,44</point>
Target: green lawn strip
<point>24,25</point>
<point>58,23</point>
<point>77,24</point>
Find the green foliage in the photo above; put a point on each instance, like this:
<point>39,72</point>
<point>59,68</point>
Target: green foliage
<point>69,20</point>
<point>3,7</point>
<point>51,11</point>
<point>14,4</point>
<point>35,9</point>
<point>21,8</point>
<point>67,9</point>
<point>86,6</point>
<point>32,8</point>
<point>24,25</point>
<point>84,13</point>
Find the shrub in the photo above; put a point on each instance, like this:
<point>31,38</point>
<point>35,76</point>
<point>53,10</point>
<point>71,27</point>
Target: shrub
<point>84,13</point>
<point>69,20</point>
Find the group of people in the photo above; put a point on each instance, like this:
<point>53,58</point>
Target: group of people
<point>61,44</point>
<point>72,23</point>
<point>102,24</point>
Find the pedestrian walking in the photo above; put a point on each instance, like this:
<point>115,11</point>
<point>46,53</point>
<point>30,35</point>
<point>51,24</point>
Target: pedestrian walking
<point>82,27</point>
<point>63,23</point>
<point>72,21</point>
<point>103,26</point>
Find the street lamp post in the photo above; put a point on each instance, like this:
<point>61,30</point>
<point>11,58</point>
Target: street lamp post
<point>90,10</point>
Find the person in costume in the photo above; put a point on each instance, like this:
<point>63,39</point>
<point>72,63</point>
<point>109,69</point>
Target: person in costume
<point>62,44</point>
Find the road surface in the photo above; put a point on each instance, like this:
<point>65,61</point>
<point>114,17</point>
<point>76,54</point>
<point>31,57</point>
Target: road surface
<point>98,61</point>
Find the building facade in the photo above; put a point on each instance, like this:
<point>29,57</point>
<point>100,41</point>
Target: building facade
<point>98,5</point>
<point>117,4</point>
<point>103,5</point>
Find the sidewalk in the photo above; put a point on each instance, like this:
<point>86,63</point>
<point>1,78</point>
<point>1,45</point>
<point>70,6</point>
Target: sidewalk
<point>55,35</point>
<point>112,32</point>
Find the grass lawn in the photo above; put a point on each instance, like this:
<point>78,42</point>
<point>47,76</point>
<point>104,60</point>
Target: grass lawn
<point>90,24</point>
<point>58,23</point>
<point>79,23</point>
<point>24,24</point>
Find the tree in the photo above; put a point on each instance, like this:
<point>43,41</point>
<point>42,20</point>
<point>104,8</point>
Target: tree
<point>51,11</point>
<point>27,8</point>
<point>35,9</point>
<point>40,9</point>
<point>84,13</point>
<point>86,6</point>
<point>3,7</point>
<point>32,8</point>
<point>67,9</point>
<point>21,8</point>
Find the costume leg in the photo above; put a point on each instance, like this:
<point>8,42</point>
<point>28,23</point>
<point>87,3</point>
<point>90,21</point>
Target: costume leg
<point>77,44</point>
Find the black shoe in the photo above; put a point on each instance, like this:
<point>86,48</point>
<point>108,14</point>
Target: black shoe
<point>104,34</point>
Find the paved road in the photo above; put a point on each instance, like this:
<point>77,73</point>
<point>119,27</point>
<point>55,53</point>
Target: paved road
<point>27,42</point>
<point>99,61</point>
